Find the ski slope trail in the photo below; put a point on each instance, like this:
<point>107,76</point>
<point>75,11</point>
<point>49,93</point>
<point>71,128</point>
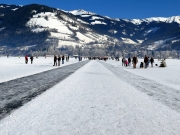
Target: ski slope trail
<point>15,93</point>
<point>92,101</point>
<point>161,93</point>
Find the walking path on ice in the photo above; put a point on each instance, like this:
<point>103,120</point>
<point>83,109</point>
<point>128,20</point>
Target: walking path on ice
<point>92,101</point>
<point>165,94</point>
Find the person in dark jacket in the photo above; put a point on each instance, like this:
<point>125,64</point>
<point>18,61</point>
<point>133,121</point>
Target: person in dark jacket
<point>68,57</point>
<point>129,61</point>
<point>135,61</point>
<point>59,60</point>
<point>31,58</point>
<point>146,61</point>
<point>55,60</point>
<point>123,64</point>
<point>63,59</point>
<point>152,61</point>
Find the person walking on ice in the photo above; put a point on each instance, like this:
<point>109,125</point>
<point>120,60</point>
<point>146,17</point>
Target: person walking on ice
<point>152,61</point>
<point>129,61</point>
<point>68,57</point>
<point>146,61</point>
<point>123,64</point>
<point>135,61</point>
<point>26,59</point>
<point>31,58</point>
<point>59,60</point>
<point>55,60</point>
<point>63,59</point>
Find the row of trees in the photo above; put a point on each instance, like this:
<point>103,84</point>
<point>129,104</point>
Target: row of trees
<point>157,54</point>
<point>99,51</point>
<point>50,48</point>
<point>70,50</point>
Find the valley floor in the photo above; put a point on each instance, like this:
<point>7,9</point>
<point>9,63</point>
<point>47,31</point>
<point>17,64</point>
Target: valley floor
<point>103,98</point>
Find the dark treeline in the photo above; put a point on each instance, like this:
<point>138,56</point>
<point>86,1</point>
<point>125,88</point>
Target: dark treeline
<point>44,50</point>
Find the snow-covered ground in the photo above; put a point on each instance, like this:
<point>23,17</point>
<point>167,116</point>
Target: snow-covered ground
<point>169,76</point>
<point>15,67</point>
<point>96,100</point>
<point>128,41</point>
<point>52,22</point>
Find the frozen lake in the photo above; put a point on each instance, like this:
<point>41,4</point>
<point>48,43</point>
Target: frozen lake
<point>15,67</point>
<point>99,98</point>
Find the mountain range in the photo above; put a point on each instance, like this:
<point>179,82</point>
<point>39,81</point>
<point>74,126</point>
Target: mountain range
<point>39,27</point>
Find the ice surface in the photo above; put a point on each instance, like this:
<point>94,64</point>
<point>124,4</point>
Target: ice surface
<point>15,67</point>
<point>95,100</point>
<point>16,93</point>
<point>150,82</point>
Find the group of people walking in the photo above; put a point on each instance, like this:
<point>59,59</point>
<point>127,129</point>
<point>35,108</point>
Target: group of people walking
<point>144,64</point>
<point>26,59</point>
<point>57,59</point>
<point>126,62</point>
<point>147,60</point>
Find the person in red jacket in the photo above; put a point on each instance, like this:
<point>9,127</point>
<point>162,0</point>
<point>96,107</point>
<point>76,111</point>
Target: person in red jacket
<point>26,59</point>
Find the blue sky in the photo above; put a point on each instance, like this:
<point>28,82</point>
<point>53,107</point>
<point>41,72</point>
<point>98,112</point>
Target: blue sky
<point>129,9</point>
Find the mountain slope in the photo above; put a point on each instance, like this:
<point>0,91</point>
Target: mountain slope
<point>39,27</point>
<point>135,31</point>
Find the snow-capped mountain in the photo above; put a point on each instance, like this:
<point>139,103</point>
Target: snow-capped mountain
<point>81,12</point>
<point>143,32</point>
<point>173,19</point>
<point>37,26</point>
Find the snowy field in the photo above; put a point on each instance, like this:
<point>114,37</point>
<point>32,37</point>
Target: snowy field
<point>101,98</point>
